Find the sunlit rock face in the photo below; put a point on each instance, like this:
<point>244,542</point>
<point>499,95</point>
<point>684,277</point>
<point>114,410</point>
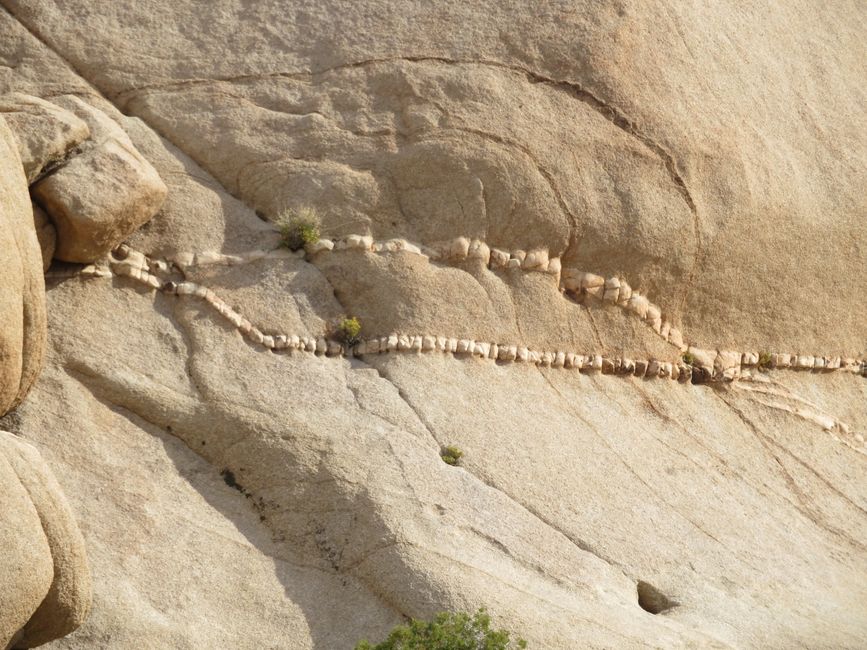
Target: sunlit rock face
<point>668,194</point>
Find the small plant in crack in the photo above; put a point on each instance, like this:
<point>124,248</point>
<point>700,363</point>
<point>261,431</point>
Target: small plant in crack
<point>451,455</point>
<point>348,331</point>
<point>764,359</point>
<point>298,227</point>
<point>688,358</point>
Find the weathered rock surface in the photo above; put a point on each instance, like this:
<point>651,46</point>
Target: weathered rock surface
<point>46,234</point>
<point>45,591</point>
<point>711,159</point>
<point>22,289</point>
<point>629,138</point>
<point>101,195</point>
<point>44,131</point>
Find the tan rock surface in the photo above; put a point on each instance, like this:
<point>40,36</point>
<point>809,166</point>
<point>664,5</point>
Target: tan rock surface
<point>44,131</point>
<point>55,599</point>
<point>709,157</point>
<point>22,293</point>
<point>46,233</point>
<point>67,603</point>
<point>670,156</point>
<point>101,195</point>
<point>26,569</point>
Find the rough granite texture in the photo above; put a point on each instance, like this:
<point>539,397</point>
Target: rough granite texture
<point>46,589</point>
<point>22,289</point>
<point>713,155</point>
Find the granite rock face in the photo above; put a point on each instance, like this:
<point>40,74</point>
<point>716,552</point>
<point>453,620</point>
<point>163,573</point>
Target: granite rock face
<point>642,182</point>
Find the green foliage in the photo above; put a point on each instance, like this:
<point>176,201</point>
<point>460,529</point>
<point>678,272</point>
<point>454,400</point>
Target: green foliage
<point>349,330</point>
<point>688,358</point>
<point>451,455</point>
<point>298,228</point>
<point>764,359</point>
<point>447,632</point>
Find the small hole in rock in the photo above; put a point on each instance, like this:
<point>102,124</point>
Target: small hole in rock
<point>652,600</point>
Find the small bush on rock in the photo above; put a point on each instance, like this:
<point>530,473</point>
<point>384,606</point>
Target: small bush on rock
<point>688,359</point>
<point>298,228</point>
<point>764,359</point>
<point>349,330</point>
<point>451,455</point>
<point>447,632</point>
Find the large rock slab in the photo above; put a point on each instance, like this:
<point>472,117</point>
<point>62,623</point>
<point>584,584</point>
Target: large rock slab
<point>581,497</point>
<point>44,132</point>
<point>55,550</point>
<point>22,289</point>
<point>651,141</point>
<point>101,195</point>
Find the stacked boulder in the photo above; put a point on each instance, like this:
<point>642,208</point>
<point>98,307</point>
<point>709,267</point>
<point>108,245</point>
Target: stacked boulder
<point>89,188</point>
<point>45,589</point>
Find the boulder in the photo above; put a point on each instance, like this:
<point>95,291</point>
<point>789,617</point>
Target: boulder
<point>103,194</point>
<point>22,289</point>
<point>49,594</point>
<point>44,132</point>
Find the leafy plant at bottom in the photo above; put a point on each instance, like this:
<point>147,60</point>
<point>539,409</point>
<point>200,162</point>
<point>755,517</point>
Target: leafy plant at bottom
<point>448,631</point>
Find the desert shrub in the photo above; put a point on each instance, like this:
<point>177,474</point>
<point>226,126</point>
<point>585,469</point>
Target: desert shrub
<point>688,358</point>
<point>451,455</point>
<point>447,632</point>
<point>298,228</point>
<point>349,330</point>
<point>764,359</point>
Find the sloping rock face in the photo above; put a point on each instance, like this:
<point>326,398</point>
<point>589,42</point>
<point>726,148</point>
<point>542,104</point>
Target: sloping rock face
<point>242,482</point>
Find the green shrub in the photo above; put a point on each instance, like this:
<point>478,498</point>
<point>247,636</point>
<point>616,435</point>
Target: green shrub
<point>447,632</point>
<point>349,330</point>
<point>298,228</point>
<point>764,359</point>
<point>451,455</point>
<point>688,358</point>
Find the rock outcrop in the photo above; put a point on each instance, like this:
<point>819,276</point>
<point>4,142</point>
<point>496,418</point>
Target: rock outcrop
<point>537,217</point>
